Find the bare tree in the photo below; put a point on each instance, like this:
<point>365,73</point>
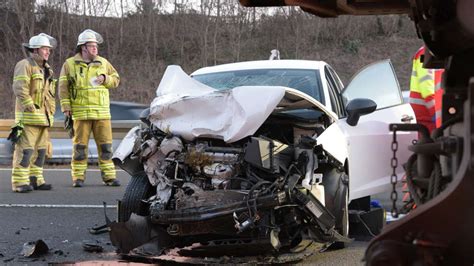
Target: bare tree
<point>26,16</point>
<point>216,28</point>
<point>142,37</point>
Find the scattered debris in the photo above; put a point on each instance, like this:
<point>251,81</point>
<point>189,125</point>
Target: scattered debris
<point>136,232</point>
<point>59,252</point>
<point>91,247</point>
<point>174,256</point>
<point>19,231</point>
<point>34,249</point>
<point>99,229</point>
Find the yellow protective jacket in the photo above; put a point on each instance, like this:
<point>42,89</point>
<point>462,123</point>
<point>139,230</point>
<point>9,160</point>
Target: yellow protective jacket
<point>34,89</point>
<point>79,94</point>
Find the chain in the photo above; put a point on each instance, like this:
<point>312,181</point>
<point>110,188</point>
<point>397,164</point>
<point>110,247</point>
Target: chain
<point>393,177</point>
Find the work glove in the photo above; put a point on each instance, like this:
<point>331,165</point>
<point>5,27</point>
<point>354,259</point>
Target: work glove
<point>69,126</point>
<point>15,132</point>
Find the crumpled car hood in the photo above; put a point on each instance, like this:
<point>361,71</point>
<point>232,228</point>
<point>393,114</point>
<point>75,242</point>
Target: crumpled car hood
<point>190,109</point>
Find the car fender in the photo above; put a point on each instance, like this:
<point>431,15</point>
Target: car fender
<point>334,141</point>
<point>126,146</point>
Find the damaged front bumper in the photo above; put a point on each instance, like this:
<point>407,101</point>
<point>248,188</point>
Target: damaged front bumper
<point>194,229</point>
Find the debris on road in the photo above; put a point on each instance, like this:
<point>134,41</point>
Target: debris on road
<point>34,249</point>
<point>91,247</point>
<point>17,232</point>
<point>99,229</point>
<point>59,252</point>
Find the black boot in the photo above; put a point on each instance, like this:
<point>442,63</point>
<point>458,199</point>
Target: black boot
<point>112,183</point>
<point>78,183</point>
<point>33,182</point>
<point>23,189</point>
<point>44,187</point>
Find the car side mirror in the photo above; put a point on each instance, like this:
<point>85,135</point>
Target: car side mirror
<point>357,107</point>
<point>144,116</point>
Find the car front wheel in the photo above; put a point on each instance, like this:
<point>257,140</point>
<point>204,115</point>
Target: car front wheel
<point>336,187</point>
<point>138,189</point>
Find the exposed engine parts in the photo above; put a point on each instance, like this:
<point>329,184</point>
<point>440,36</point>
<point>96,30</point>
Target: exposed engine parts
<point>260,188</point>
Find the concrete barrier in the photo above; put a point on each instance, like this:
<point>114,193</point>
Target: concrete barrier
<point>119,128</point>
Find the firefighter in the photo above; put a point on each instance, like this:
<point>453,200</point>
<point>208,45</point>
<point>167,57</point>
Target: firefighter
<point>84,85</point>
<point>34,89</point>
<point>422,91</point>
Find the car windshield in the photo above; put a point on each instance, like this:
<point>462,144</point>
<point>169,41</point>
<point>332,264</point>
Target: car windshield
<point>305,80</point>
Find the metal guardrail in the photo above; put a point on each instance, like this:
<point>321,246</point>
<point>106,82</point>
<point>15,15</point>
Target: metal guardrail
<point>119,128</point>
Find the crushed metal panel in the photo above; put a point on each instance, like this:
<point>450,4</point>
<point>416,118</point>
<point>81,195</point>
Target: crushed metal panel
<point>229,115</point>
<point>34,249</point>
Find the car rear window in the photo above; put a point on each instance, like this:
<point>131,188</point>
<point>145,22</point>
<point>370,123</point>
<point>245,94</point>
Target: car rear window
<point>305,80</point>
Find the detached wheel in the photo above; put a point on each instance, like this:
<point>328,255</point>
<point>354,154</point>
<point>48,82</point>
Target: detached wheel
<point>137,190</point>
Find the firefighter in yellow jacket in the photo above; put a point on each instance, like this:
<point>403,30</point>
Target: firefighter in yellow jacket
<point>34,89</point>
<point>84,85</point>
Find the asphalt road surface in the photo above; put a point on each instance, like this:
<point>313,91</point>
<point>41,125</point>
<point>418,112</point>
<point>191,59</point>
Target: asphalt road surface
<point>62,217</point>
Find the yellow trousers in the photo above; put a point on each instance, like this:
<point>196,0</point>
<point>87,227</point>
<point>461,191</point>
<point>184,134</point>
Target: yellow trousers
<point>29,155</point>
<point>102,131</point>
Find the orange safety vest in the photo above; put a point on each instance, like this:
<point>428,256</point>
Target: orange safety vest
<point>422,92</point>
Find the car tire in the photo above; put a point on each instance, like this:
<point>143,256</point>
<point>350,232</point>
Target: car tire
<point>336,187</point>
<point>138,189</point>
<point>342,224</point>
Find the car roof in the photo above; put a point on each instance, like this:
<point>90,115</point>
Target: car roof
<point>262,64</point>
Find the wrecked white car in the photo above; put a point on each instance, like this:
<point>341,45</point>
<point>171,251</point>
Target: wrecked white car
<point>256,158</point>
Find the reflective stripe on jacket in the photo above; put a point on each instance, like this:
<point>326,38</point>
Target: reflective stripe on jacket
<point>422,92</point>
<point>438,96</point>
<point>35,91</point>
<point>79,94</point>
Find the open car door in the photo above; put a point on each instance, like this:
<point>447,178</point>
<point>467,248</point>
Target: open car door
<point>368,143</point>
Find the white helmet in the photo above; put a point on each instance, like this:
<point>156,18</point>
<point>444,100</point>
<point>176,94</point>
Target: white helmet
<point>89,36</point>
<point>41,40</point>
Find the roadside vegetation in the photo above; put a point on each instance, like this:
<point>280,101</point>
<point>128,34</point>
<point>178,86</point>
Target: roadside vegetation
<point>141,41</point>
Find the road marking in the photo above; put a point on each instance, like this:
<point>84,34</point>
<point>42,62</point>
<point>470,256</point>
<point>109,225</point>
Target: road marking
<point>56,206</point>
<point>62,170</point>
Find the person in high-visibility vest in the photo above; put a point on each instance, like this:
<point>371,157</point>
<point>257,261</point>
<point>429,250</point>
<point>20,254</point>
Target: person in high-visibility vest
<point>422,91</point>
<point>84,85</point>
<point>34,89</point>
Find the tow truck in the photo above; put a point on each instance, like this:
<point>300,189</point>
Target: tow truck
<point>439,230</point>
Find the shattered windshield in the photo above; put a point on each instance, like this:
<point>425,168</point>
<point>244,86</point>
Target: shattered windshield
<point>305,80</point>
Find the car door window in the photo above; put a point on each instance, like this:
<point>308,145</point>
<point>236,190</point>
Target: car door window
<point>334,92</point>
<point>339,88</point>
<point>337,80</point>
<point>377,82</point>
